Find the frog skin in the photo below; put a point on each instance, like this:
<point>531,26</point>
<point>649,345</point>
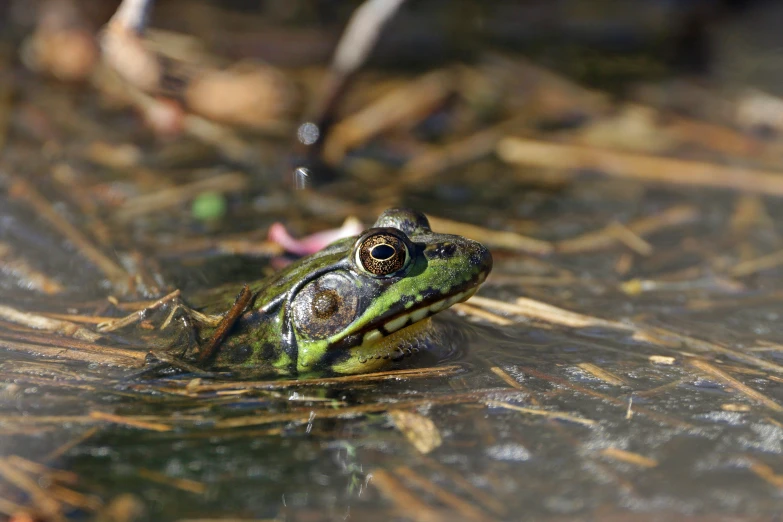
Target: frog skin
<point>355,305</point>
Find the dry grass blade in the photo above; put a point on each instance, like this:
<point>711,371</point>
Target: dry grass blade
<point>172,197</point>
<point>546,312</point>
<point>119,278</point>
<point>40,322</point>
<point>608,237</point>
<point>129,421</point>
<point>639,166</point>
<point>136,316</point>
<point>480,313</point>
<point>330,413</point>
<point>492,238</point>
<point>73,350</point>
<point>413,373</point>
<point>184,484</point>
<point>407,104</point>
<point>605,375</point>
<point>728,380</point>
<point>752,266</point>
<point>659,417</point>
<point>544,413</point>
<point>629,457</point>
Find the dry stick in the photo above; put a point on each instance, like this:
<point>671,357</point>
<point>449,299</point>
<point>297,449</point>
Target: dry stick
<point>184,484</point>
<point>604,375</point>
<point>40,322</point>
<point>492,238</point>
<point>463,507</point>
<point>226,324</point>
<point>330,413</point>
<point>728,380</point>
<point>115,273</point>
<point>660,417</point>
<point>136,316</point>
<point>175,196</point>
<point>507,378</point>
<point>661,337</point>
<point>639,166</point>
<point>766,473</point>
<point>629,457</point>
<point>544,413</point>
<point>409,103</point>
<point>607,237</point>
<point>74,351</point>
<point>407,502</point>
<point>356,43</point>
<point>480,313</point>
<point>422,169</point>
<point>413,373</point>
<point>129,421</point>
<point>751,266</point>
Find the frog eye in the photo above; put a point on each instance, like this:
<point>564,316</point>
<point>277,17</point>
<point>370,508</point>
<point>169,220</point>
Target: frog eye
<point>325,306</point>
<point>382,253</point>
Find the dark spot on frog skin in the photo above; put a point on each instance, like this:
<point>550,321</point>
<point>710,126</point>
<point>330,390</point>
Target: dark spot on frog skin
<point>268,352</point>
<point>239,354</point>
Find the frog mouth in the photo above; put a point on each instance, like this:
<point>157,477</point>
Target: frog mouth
<point>410,317</point>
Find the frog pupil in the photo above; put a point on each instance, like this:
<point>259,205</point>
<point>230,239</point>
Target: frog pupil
<point>383,252</point>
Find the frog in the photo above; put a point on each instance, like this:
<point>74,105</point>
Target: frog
<point>355,306</point>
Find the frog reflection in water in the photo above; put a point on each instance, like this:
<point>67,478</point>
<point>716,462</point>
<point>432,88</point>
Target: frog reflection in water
<point>358,303</point>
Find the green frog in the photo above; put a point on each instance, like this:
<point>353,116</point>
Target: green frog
<point>357,304</point>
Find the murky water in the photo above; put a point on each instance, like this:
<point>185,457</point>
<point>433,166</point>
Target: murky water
<point>660,401</point>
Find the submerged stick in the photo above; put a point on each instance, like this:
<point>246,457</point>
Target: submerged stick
<point>119,278</point>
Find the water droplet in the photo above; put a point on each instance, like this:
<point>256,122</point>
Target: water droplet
<point>308,133</point>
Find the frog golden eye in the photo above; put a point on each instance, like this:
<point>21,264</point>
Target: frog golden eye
<point>382,254</point>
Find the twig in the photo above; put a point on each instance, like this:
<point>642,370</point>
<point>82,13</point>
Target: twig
<point>175,196</point>
<point>119,278</point>
<point>129,421</point>
<point>40,322</point>
<point>639,166</point>
<point>607,237</point>
<point>544,413</point>
<point>396,375</point>
<point>184,484</point>
<point>136,316</point>
<point>728,380</point>
<point>604,375</point>
<point>226,324</point>
<point>492,238</point>
<point>629,457</point>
